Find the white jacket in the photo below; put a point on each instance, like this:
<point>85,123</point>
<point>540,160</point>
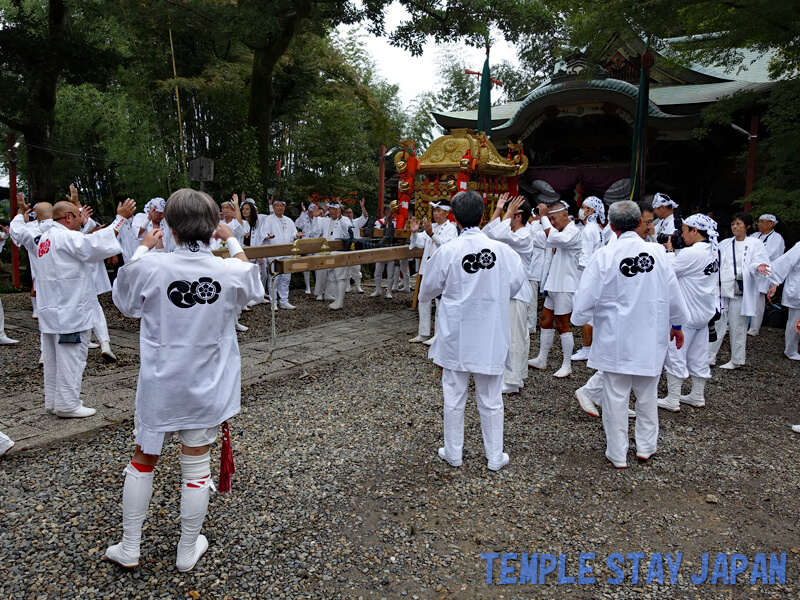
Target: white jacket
<point>754,255</point>
<point>65,286</point>
<point>476,277</point>
<point>629,292</point>
<point>441,234</point>
<point>697,270</point>
<point>190,373</point>
<point>563,250</point>
<point>775,246</point>
<point>786,270</point>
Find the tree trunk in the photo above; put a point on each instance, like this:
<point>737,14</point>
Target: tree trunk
<point>266,54</point>
<point>39,176</point>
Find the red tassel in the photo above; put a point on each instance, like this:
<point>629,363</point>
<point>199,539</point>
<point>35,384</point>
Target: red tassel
<point>226,466</point>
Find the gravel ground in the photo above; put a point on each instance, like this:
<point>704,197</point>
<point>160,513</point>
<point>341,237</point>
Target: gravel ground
<point>339,493</point>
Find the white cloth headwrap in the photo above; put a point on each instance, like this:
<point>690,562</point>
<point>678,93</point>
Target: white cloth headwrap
<point>769,217</point>
<point>707,224</point>
<point>564,206</point>
<point>663,200</point>
<point>599,208</point>
<point>158,203</point>
<point>249,201</point>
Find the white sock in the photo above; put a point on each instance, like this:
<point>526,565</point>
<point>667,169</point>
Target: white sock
<point>567,346</point>
<point>545,342</point>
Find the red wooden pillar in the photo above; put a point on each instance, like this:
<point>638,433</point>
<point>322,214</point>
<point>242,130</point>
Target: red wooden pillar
<point>12,192</point>
<point>381,178</point>
<point>751,161</point>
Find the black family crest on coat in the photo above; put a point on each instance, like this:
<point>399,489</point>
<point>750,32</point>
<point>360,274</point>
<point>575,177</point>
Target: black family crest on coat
<point>185,294</point>
<point>485,259</point>
<point>194,247</point>
<point>634,265</point>
<point>712,268</point>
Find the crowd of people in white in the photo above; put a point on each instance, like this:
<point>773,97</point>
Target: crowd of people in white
<point>648,296</point>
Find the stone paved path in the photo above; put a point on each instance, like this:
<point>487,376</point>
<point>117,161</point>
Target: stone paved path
<point>24,419</point>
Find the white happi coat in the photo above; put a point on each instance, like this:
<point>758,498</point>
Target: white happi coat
<point>26,235</point>
<point>775,246</point>
<point>561,268</point>
<point>476,277</point>
<point>441,234</point>
<point>139,222</point>
<point>332,230</point>
<point>520,241</point>
<point>754,255</point>
<point>539,248</point>
<point>102,283</point>
<point>283,229</point>
<point>697,268</point>
<point>629,293</point>
<point>303,222</point>
<point>190,373</point>
<point>65,286</point>
<point>258,232</point>
<point>664,226</point>
<point>786,270</point>
<point>591,240</point>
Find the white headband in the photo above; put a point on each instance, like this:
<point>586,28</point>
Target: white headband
<point>564,206</point>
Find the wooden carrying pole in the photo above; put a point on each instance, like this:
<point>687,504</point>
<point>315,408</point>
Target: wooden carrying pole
<point>345,259</point>
<point>310,246</point>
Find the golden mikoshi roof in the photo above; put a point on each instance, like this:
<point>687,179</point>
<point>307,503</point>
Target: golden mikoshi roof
<point>444,156</point>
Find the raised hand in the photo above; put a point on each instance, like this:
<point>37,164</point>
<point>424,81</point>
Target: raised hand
<point>413,226</point>
<point>427,226</point>
<point>126,209</point>
<point>223,231</point>
<point>86,212</point>
<point>73,195</point>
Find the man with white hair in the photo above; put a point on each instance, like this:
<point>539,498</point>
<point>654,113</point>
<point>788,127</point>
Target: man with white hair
<point>630,293</point>
<point>280,229</point>
<point>775,246</point>
<point>475,277</point>
<point>697,268</point>
<point>432,237</point>
<point>560,282</point>
<point>664,208</point>
<point>593,214</point>
<point>332,227</point>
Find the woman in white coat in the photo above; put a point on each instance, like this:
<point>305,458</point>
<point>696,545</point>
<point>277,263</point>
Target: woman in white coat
<point>190,374</point>
<point>743,265</point>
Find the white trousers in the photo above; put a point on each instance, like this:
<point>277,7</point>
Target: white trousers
<point>379,269</point>
<point>489,394</point>
<point>520,347</point>
<point>790,335</point>
<point>424,309</point>
<point>99,323</point>
<point>355,274</point>
<point>692,358</point>
<point>761,305</point>
<point>63,371</point>
<point>2,320</point>
<point>327,280</point>
<point>737,325</point>
<point>281,288</point>
<point>533,307</point>
<point>403,269</point>
<point>594,388</point>
<point>617,392</point>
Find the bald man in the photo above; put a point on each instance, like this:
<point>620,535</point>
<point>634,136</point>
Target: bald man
<point>66,301</point>
<point>25,229</point>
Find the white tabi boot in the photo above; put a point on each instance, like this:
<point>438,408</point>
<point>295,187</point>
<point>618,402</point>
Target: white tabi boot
<point>35,313</point>
<point>377,291</point>
<point>672,401</point>
<point>106,353</point>
<point>697,396</point>
<point>567,346</point>
<point>195,491</point>
<point>135,501</point>
<point>338,303</point>
<point>545,343</point>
